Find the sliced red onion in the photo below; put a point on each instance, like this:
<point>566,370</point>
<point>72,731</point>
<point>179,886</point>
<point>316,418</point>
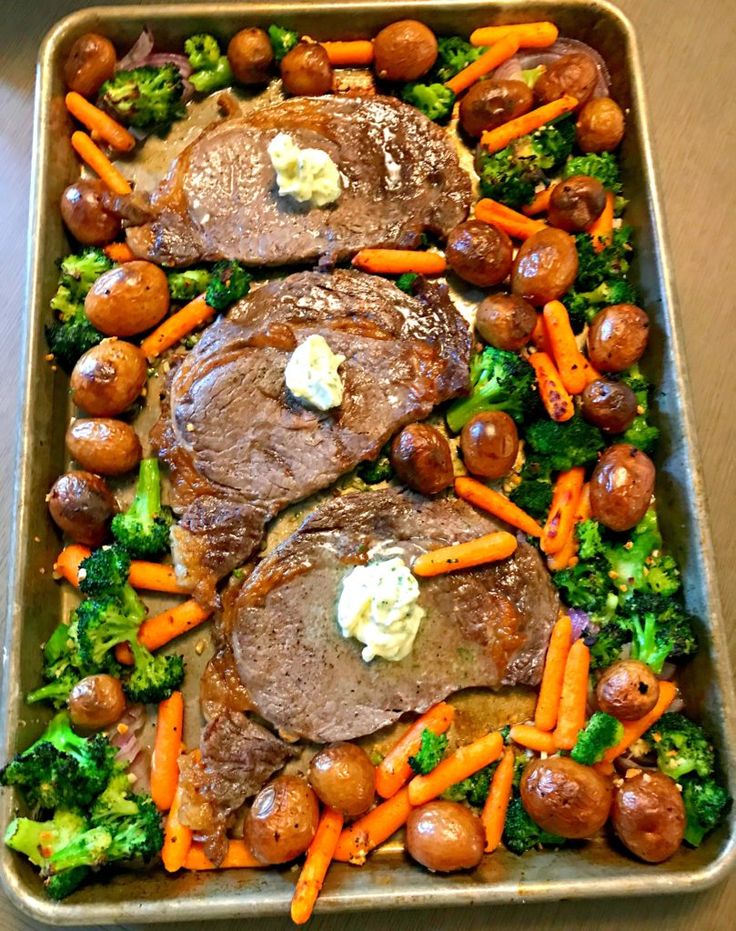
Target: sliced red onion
<point>677,704</point>
<point>188,92</point>
<point>525,59</point>
<point>580,623</point>
<point>668,671</point>
<point>157,59</point>
<point>139,51</point>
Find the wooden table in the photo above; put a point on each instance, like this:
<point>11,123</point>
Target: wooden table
<point>691,73</point>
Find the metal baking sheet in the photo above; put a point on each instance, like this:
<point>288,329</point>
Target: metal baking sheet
<point>388,880</point>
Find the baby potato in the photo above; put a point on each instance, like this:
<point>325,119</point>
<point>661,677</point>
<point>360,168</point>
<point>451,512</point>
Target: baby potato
<point>129,299</point>
<point>108,378</point>
<point>81,505</point>
<point>103,445</point>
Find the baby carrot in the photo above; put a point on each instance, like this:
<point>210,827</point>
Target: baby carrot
<point>176,327</point>
<point>106,128</point>
<point>510,221</point>
<point>154,577</point>
<point>454,768</point>
<point>539,336</point>
<point>119,252</point>
<point>554,395</point>
<point>160,629</point>
<point>545,714</point>
<point>99,163</point>
<point>469,489</point>
<point>528,35</point>
<point>177,837</point>
<point>565,497</point>
<point>394,769</point>
<point>567,555</point>
<point>497,803</point>
<point>531,737</point>
<point>633,730</point>
<point>69,560</point>
<point>319,857</point>
<point>399,261</point>
<point>601,229</point>
<point>496,139</point>
<point>496,55</point>
<point>368,832</point>
<point>540,204</point>
<point>489,548</point>
<point>571,713</point>
<point>167,747</point>
<point>569,360</point>
<point>237,856</point>
<point>352,54</point>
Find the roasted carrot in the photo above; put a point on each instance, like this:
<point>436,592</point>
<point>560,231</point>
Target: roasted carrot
<point>554,395</point>
<point>545,714</point>
<point>237,856</point>
<point>96,120</point>
<point>531,737</point>
<point>489,548</point>
<point>119,252</point>
<point>454,768</point>
<point>368,832</point>
<point>601,229</point>
<point>497,803</point>
<point>570,362</point>
<point>177,837</point>
<point>160,629</point>
<point>511,222</point>
<point>496,139</point>
<point>539,335</point>
<point>565,498</point>
<point>154,577</point>
<point>68,562</point>
<point>99,163</point>
<point>485,498</point>
<point>319,857</point>
<point>528,35</point>
<point>496,55</point>
<point>352,54</point>
<point>540,204</point>
<point>571,713</point>
<point>567,555</point>
<point>394,769</point>
<point>633,730</point>
<point>399,261</point>
<point>166,750</point>
<point>176,327</point>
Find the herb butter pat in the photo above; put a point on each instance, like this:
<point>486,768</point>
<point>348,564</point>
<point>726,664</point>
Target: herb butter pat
<point>378,606</point>
<point>307,175</point>
<point>311,374</point>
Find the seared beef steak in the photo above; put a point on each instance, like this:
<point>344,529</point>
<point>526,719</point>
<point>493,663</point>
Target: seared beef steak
<point>240,448</point>
<point>219,200</point>
<point>483,627</point>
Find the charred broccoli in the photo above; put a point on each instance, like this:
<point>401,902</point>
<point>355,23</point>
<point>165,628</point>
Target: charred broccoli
<point>534,493</point>
<point>282,39</point>
<point>582,306</point>
<point>229,282</point>
<point>600,733</point>
<point>186,285</point>
<point>143,530</point>
<point>595,268</point>
<point>430,752</point>
<point>564,445</point>
<point>435,101</point>
<point>604,167</point>
<point>453,54</point>
<point>706,803</point>
<point>682,746</point>
<point>473,790</point>
<point>61,669</point>
<point>520,833</point>
<point>661,629</point>
<point>642,433</point>
<point>145,98</point>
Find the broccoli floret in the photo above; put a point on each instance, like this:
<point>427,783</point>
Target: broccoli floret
<point>473,790</point>
<point>39,840</point>
<point>61,669</point>
<point>501,381</point>
<point>681,745</point>
<point>430,752</point>
<point>641,433</point>
<point>406,281</point>
<point>534,497</point>
<point>706,803</point>
<point>520,833</point>
<point>203,51</point>
<point>660,626</point>
<point>229,282</point>
<point>60,885</point>
<point>143,530</point>
<point>601,732</point>
<point>70,338</point>
<point>604,167</point>
<point>586,586</point>
<point>282,39</point>
<point>435,101</point>
<point>607,644</point>
<point>453,54</point>
<point>61,769</point>
<point>564,445</point>
<point>105,572</point>
<point>213,79</point>
<point>154,677</point>
<point>610,263</point>
<point>379,470</point>
<point>145,97</point>
<point>186,285</point>
<point>78,272</point>
<point>530,76</point>
<point>583,306</point>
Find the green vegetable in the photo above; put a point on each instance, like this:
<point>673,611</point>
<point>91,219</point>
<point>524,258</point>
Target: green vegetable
<point>530,76</point>
<point>145,97</point>
<point>406,281</point>
<point>583,306</point>
<point>473,790</point>
<point>604,167</point>
<point>641,433</point>
<point>282,39</point>
<point>435,101</point>
<point>186,285</point>
<point>501,381</point>
<point>453,54</point>
<point>607,646</point>
<point>379,470</point>
<point>564,445</point>
<point>534,493</point>
<point>601,732</point>
<point>105,573</point>
<point>143,529</point>
<point>587,586</point>
<point>430,753</point>
<point>229,282</point>
<point>61,669</point>
<point>39,840</point>
<point>661,629</point>
<point>60,885</point>
<point>595,268</point>
<point>681,746</point>
<point>213,79</point>
<point>203,51</point>
<point>520,833</point>
<point>706,803</point>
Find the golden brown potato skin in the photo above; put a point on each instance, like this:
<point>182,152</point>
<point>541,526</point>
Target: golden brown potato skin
<point>649,816</point>
<point>103,445</point>
<point>564,797</point>
<point>609,405</point>
<point>545,266</point>
<point>108,378</point>
<point>479,253</point>
<point>306,70</point>
<point>489,442</point>
<point>250,55</point>
<point>505,321</point>
<point>81,505</point>
<point>421,458</point>
<point>575,203</point>
<point>444,837</point>
<point>490,103</point>
<point>404,51</point>
<point>129,299</point>
<point>282,821</point>
<point>91,61</point>
<point>618,337</point>
<point>600,126</point>
<point>574,74</point>
<point>628,690</point>
<point>621,486</point>
<point>85,214</point>
<point>344,778</point>
<point>96,702</point>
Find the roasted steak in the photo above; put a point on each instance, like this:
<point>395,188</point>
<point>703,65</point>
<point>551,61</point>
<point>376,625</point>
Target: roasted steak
<point>240,448</point>
<point>482,627</point>
<point>400,173</point>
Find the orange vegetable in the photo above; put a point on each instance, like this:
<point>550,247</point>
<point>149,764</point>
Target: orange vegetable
<point>528,35</point>
<point>531,737</point>
<point>567,555</point>
<point>399,261</point>
<point>394,769</point>
<point>489,548</point>
<point>496,139</point>
<point>550,690</point>
<point>485,498</point>
<point>511,222</point>
<point>601,229</point>
<point>365,834</point>
<point>569,360</point>
<point>68,562</point>
<point>119,252</point>
<point>99,163</point>
<point>103,125</point>
<point>633,730</point>
<point>154,577</point>
<point>561,517</point>
<point>160,629</point>
<point>499,796</point>
<point>177,838</point>
<point>496,55</point>
<point>554,395</point>
<point>539,336</point>
<point>571,713</point>
<point>540,204</point>
<point>349,54</point>
<point>319,857</point>
<point>458,766</point>
<point>166,750</point>
<point>176,327</point>
<point>238,856</point>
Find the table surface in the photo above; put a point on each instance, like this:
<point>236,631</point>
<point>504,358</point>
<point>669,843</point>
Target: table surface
<point>688,60</point>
